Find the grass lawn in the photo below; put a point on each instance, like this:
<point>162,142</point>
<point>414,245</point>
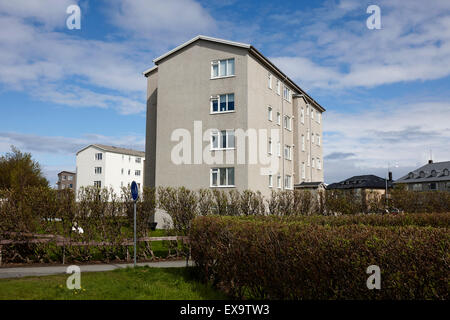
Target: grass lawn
<point>139,283</point>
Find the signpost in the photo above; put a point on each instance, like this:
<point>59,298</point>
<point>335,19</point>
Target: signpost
<point>135,195</point>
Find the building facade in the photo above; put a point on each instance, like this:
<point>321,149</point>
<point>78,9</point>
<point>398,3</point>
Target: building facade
<point>110,167</point>
<point>221,115</point>
<point>67,180</point>
<point>432,176</point>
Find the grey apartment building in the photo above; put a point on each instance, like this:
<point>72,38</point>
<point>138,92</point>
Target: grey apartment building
<point>66,180</point>
<point>213,90</point>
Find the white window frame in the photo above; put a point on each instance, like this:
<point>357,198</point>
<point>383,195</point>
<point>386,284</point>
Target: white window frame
<point>270,113</point>
<point>318,140</point>
<point>97,171</point>
<point>319,164</point>
<point>288,152</point>
<point>98,183</point>
<point>303,142</point>
<point>302,115</point>
<point>99,156</point>
<point>288,182</point>
<point>313,162</point>
<point>312,113</point>
<point>278,118</point>
<point>219,135</point>
<point>137,160</point>
<point>279,182</point>
<point>303,170</point>
<point>217,97</point>
<point>287,123</point>
<point>270,181</point>
<point>319,115</point>
<point>279,148</point>
<point>218,63</point>
<point>217,171</point>
<point>269,79</point>
<point>312,138</point>
<point>137,173</point>
<point>287,94</point>
<point>278,87</point>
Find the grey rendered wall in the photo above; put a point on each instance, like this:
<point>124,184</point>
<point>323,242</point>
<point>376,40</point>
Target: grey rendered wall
<point>184,93</point>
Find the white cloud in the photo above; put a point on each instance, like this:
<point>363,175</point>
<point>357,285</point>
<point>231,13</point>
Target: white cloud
<point>399,133</point>
<point>162,22</point>
<point>336,50</point>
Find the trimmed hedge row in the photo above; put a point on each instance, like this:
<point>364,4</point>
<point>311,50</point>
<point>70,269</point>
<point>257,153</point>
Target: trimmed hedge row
<point>278,259</point>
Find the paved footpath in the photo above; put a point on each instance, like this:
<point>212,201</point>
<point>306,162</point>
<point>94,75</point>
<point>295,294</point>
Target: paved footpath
<point>44,271</point>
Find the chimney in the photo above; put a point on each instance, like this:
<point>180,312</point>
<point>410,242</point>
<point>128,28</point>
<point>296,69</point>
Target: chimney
<point>430,161</point>
<point>390,176</point>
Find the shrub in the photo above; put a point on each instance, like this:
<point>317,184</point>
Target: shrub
<point>274,258</point>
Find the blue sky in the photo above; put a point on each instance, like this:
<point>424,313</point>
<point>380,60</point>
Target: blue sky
<point>386,91</point>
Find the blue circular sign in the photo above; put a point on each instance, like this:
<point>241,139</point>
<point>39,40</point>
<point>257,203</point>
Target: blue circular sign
<point>134,190</point>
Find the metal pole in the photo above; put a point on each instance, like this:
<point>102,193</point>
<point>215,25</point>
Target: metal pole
<point>134,233</point>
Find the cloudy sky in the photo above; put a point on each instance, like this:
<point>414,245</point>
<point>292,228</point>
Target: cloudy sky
<point>386,91</point>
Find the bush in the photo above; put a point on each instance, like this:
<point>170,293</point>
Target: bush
<point>279,258</point>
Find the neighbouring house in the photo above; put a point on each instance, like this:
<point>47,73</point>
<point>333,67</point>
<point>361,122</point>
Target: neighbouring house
<point>111,167</point>
<point>364,185</point>
<point>67,180</point>
<point>432,176</point>
<point>310,186</point>
<point>213,89</point>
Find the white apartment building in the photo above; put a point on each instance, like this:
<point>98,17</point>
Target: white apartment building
<point>111,167</point>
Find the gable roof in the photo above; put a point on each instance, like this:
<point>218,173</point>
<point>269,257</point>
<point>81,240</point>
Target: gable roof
<point>431,172</point>
<point>252,50</point>
<point>369,181</point>
<point>106,148</point>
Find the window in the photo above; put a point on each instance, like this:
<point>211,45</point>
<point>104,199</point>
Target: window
<point>318,117</point>
<point>121,171</point>
<point>98,170</point>
<point>287,122</point>
<point>70,178</point>
<point>312,138</point>
<point>302,115</point>
<point>278,87</point>
<point>312,113</point>
<point>64,177</point>
<point>287,94</point>
<point>222,68</point>
<point>129,171</point>
<point>222,139</point>
<point>318,140</point>
<point>278,118</point>
<point>137,172</point>
<point>307,134</point>
<point>98,156</point>
<point>313,163</point>
<point>279,182</point>
<point>222,177</point>
<point>270,113</point>
<point>269,79</point>
<point>71,185</point>
<point>303,171</point>
<point>307,110</point>
<point>97,184</point>
<point>319,164</point>
<point>139,186</point>
<point>433,186</point>
<point>222,103</point>
<point>129,159</point>
<point>287,182</point>
<point>287,152</point>
<point>270,181</point>
<point>269,147</point>
<point>138,160</point>
<point>279,149</point>
<point>303,142</point>
<point>121,183</point>
<point>446,172</point>
<point>308,159</point>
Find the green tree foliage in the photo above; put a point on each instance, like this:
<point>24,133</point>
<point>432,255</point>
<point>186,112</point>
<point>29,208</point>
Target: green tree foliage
<point>18,170</point>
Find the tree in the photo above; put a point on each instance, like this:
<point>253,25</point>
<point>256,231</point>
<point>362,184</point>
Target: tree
<point>18,170</point>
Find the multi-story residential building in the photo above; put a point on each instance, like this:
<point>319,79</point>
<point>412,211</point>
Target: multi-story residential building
<point>432,176</point>
<point>111,167</point>
<point>66,180</point>
<point>202,95</point>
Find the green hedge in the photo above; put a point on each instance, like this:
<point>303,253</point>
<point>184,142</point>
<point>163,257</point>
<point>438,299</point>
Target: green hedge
<point>278,259</point>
